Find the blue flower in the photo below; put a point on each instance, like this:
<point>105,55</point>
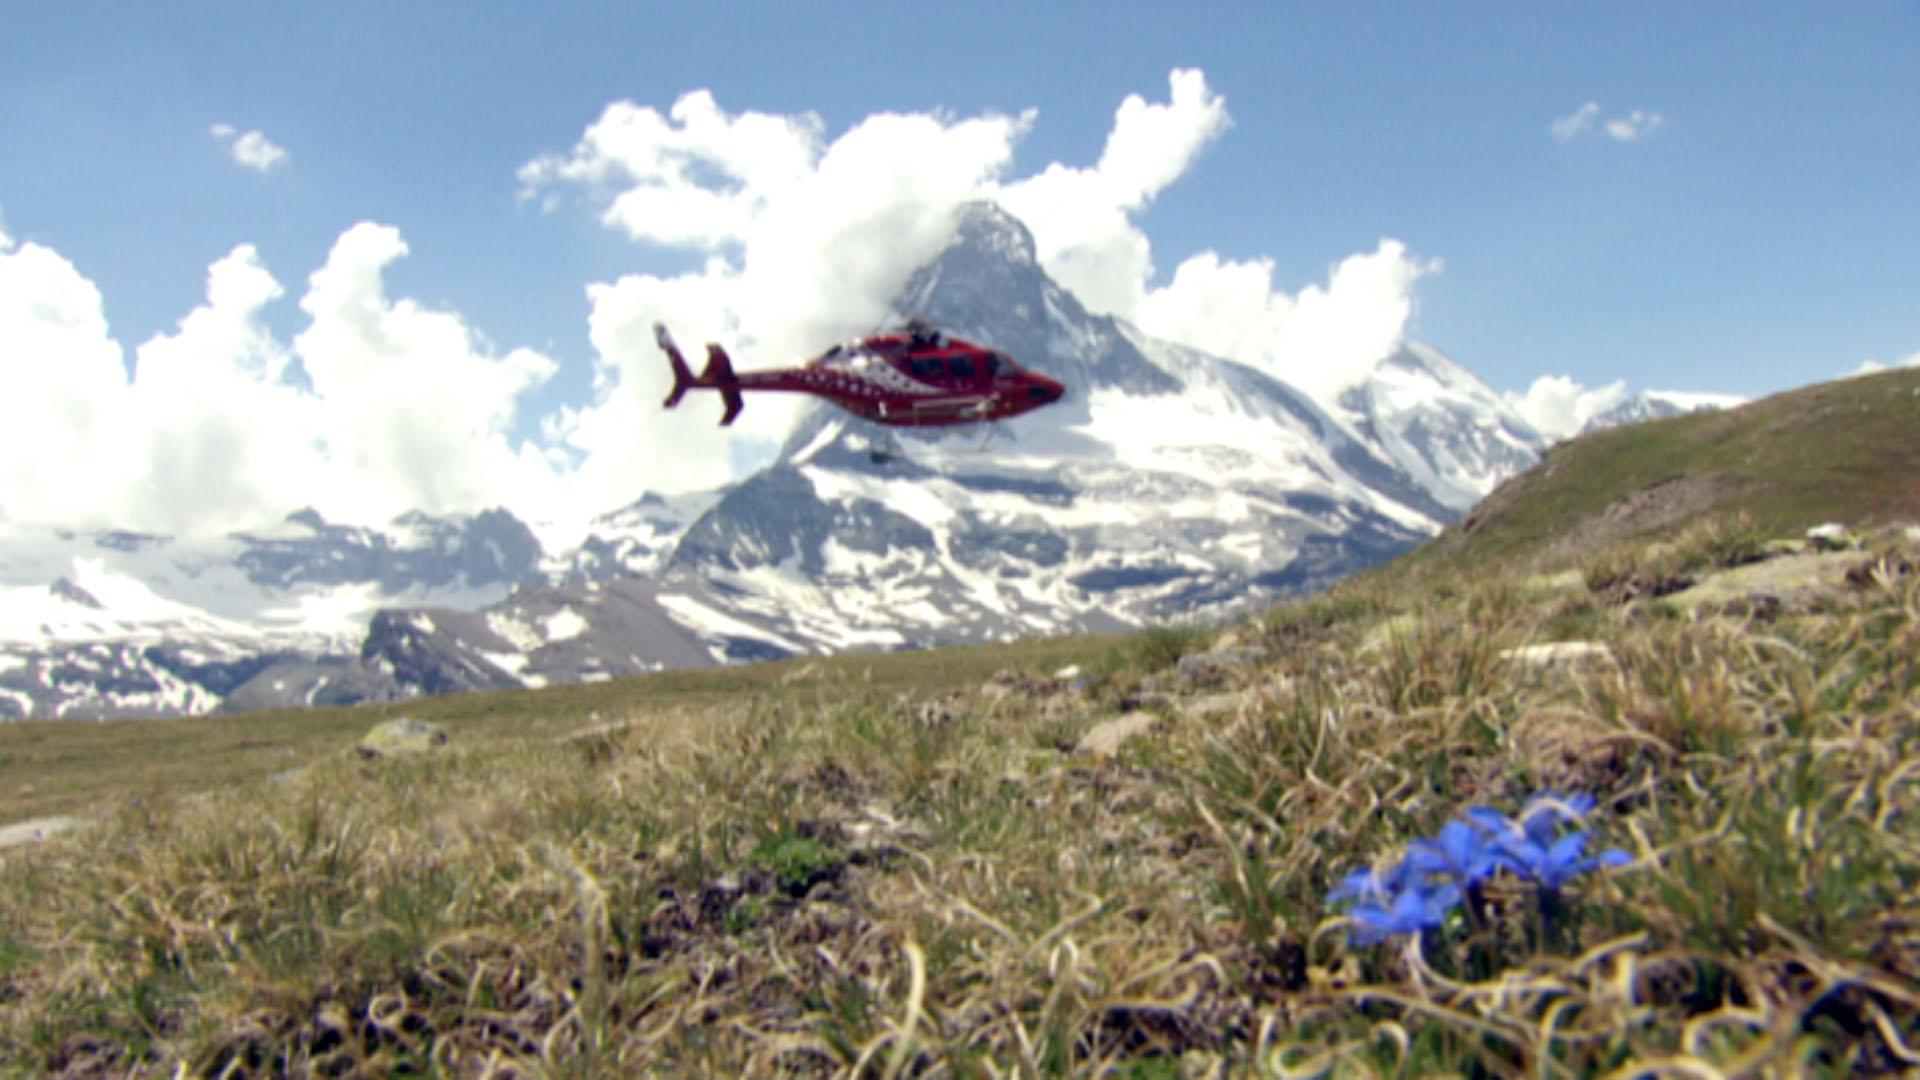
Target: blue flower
<point>1546,810</point>
<point>1460,852</point>
<point>1410,912</point>
<point>1369,885</point>
<point>1416,893</point>
<point>1534,846</point>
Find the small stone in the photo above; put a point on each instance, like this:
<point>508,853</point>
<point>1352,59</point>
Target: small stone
<point>1830,536</point>
<point>1212,705</point>
<point>1559,654</point>
<point>1105,738</point>
<point>33,832</point>
<point>1213,666</point>
<point>402,737</point>
<point>1068,673</point>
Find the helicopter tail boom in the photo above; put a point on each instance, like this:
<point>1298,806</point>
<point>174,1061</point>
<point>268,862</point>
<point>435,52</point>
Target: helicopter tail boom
<point>717,376</point>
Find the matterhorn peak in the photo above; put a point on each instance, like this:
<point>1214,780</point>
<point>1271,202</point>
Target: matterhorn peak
<point>987,227</point>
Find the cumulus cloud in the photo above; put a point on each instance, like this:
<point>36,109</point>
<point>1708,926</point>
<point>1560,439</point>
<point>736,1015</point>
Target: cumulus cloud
<point>1581,119</point>
<point>1634,125</point>
<point>1560,408</point>
<point>251,149</point>
<point>1082,218</point>
<point>380,404</point>
<point>63,383</point>
<point>418,409</point>
<point>806,241</point>
<point>1873,367</point>
<point>1322,339</point>
<point>402,406</point>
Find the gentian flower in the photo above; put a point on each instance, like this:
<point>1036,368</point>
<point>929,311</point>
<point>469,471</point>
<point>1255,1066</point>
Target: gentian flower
<point>1410,912</point>
<point>1416,893</point>
<point>1460,852</point>
<point>1369,885</point>
<point>1535,848</point>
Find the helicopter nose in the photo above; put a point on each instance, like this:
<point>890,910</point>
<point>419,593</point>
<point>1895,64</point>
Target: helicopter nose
<point>1046,391</point>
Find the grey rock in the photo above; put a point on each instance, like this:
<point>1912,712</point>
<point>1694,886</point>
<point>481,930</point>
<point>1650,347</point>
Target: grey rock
<point>402,736</point>
<point>1831,536</point>
<point>1560,654</point>
<point>1105,739</point>
<point>1216,665</point>
<point>23,833</point>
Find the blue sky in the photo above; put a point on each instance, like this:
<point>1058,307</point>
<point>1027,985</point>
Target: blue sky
<point>1755,231</point>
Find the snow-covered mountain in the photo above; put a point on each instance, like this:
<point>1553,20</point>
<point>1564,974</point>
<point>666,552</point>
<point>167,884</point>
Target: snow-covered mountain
<point>1454,435</point>
<point>1655,405</point>
<point>117,623</point>
<point>1168,484</point>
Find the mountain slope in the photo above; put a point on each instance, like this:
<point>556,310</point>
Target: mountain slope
<point>1846,451</point>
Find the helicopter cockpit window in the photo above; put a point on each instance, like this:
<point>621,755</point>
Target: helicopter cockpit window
<point>926,367</point>
<point>962,367</point>
<point>996,366</point>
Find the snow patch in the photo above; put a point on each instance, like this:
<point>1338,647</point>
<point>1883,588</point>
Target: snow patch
<point>710,623</point>
<point>523,637</point>
<point>820,442</point>
<point>564,625</point>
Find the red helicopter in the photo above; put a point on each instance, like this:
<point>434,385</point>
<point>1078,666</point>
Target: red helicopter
<point>914,377</point>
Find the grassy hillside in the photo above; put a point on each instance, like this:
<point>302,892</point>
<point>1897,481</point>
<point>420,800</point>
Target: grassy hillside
<point>961,863</point>
<point>1841,451</point>
<point>64,767</point>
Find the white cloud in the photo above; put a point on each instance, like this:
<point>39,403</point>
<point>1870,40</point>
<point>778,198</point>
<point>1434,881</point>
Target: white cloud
<point>62,392</point>
<point>380,405</point>
<point>1566,127</point>
<point>250,148</point>
<point>1322,339</point>
<point>6,242</point>
<point>1081,218</point>
<point>220,433</point>
<point>1560,408</point>
<point>807,242</point>
<point>1634,125</point>
<point>418,410</point>
<point>695,177</point>
<point>1874,367</point>
<point>404,409</point>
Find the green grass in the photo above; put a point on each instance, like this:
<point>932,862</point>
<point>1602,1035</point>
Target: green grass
<point>1841,451</point>
<point>63,767</point>
<point>807,869</point>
